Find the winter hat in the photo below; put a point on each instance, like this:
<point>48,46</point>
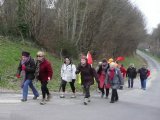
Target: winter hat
<point>104,61</point>
<point>26,54</point>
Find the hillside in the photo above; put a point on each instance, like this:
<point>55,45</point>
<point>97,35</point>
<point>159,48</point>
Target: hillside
<point>10,55</point>
<point>10,52</point>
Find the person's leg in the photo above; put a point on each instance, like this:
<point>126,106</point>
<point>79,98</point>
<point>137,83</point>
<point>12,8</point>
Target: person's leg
<point>113,96</point>
<point>144,84</point>
<point>87,94</point>
<point>132,82</point>
<point>107,93</point>
<point>102,91</point>
<point>43,89</point>
<point>35,92</point>
<point>116,95</point>
<point>25,90</point>
<point>141,84</point>
<point>73,88</point>
<point>129,81</point>
<point>63,88</point>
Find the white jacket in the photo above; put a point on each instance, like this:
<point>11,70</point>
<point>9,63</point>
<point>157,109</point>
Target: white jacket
<point>68,72</point>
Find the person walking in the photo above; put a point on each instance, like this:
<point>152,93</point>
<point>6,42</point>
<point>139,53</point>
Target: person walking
<point>26,70</point>
<point>101,71</point>
<point>144,74</point>
<point>68,74</point>
<point>115,79</point>
<point>131,74</point>
<point>44,74</point>
<point>88,74</point>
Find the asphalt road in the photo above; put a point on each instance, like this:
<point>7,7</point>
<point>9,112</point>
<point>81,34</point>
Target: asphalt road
<point>133,104</point>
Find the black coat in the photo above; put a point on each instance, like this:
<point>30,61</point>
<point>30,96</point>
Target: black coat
<point>87,75</point>
<point>143,73</point>
<point>30,69</point>
<point>131,72</point>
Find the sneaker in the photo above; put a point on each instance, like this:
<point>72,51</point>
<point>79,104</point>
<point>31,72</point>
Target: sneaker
<point>62,96</point>
<point>89,100</point>
<point>106,97</point>
<point>42,102</point>
<point>85,101</point>
<point>35,97</point>
<point>111,101</point>
<point>48,97</point>
<point>102,95</point>
<point>73,96</point>
<point>23,100</point>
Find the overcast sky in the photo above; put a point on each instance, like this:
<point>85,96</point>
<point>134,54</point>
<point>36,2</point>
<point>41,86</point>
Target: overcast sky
<point>151,10</point>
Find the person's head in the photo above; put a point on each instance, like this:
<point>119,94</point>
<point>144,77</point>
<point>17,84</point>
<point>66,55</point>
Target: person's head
<point>110,60</point>
<point>104,63</point>
<point>144,66</point>
<point>25,56</point>
<point>67,60</point>
<point>40,55</point>
<point>131,65</point>
<point>112,65</point>
<point>84,60</point>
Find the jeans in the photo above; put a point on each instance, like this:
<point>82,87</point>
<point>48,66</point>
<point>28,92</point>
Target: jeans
<point>130,82</point>
<point>25,89</point>
<point>143,84</point>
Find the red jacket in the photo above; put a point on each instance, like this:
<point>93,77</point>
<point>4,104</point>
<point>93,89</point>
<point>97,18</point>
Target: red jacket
<point>45,71</point>
<point>123,71</point>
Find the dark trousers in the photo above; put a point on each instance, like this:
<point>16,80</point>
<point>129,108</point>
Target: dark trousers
<point>130,82</point>
<point>44,89</point>
<point>71,85</point>
<point>86,91</point>
<point>103,91</point>
<point>114,96</point>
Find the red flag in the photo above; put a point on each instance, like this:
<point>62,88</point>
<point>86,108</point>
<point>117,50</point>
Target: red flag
<point>120,58</point>
<point>89,57</point>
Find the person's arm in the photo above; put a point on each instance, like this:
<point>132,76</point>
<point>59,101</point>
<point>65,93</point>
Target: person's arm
<point>50,71</point>
<point>73,71</point>
<point>78,70</point>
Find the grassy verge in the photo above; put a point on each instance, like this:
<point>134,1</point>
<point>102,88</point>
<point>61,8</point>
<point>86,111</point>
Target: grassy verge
<point>10,52</point>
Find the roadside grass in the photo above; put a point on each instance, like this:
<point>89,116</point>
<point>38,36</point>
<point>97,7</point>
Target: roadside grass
<point>10,53</point>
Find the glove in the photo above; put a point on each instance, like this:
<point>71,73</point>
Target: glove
<point>23,67</point>
<point>18,76</point>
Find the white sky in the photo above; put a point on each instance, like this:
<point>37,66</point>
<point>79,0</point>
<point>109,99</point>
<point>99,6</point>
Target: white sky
<point>151,11</point>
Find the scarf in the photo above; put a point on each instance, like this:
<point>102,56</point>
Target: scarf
<point>111,75</point>
<point>23,72</point>
<point>37,69</point>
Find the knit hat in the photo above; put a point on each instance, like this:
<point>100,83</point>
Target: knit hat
<point>26,54</point>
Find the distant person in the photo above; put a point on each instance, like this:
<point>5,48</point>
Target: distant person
<point>123,71</point>
<point>26,70</point>
<point>144,74</point>
<point>115,79</point>
<point>131,74</point>
<point>68,74</point>
<point>88,74</point>
<point>101,71</point>
<point>44,74</point>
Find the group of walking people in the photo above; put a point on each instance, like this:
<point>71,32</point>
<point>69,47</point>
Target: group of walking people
<point>108,75</point>
<point>39,69</point>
